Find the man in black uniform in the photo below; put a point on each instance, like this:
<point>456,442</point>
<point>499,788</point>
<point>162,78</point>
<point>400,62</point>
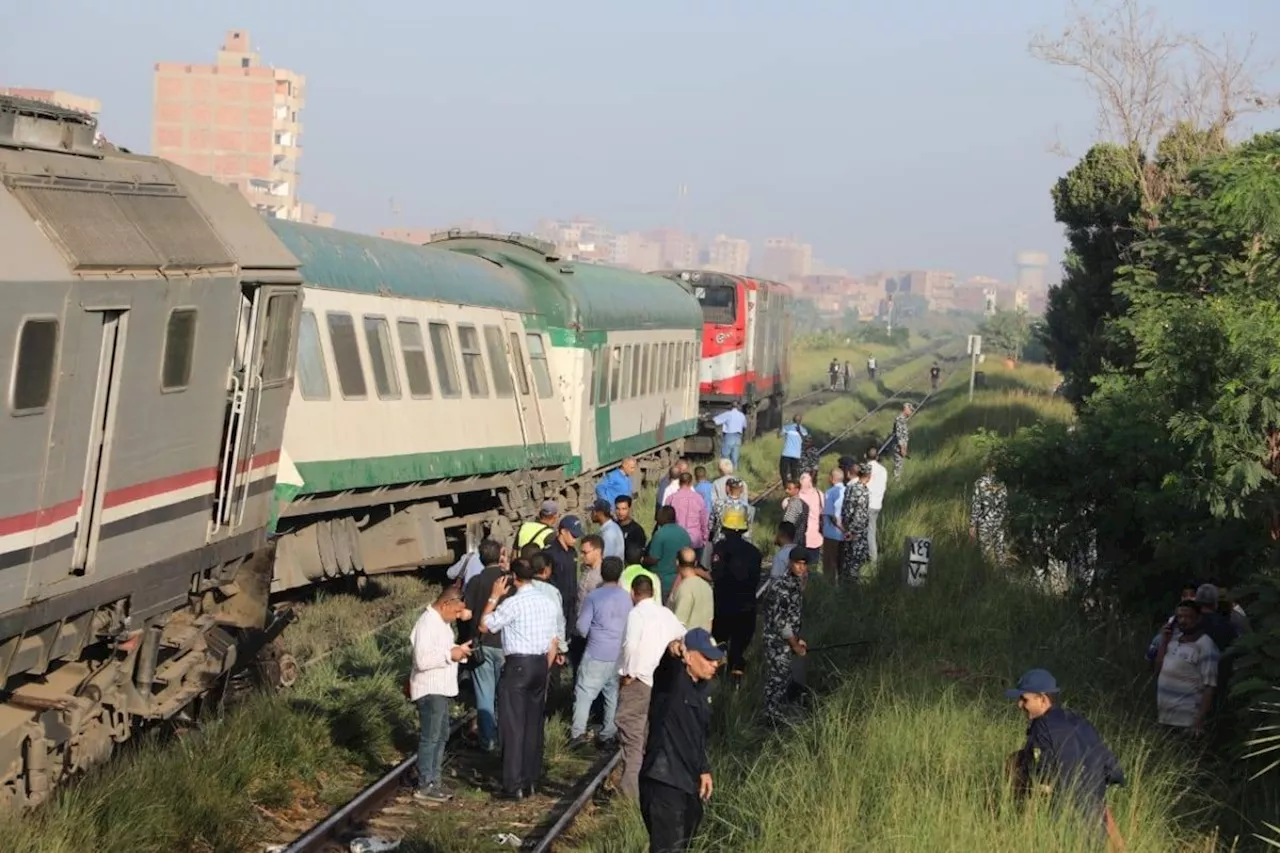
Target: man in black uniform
<point>1063,757</point>
<point>675,778</point>
<point>934,373</point>
<point>735,571</point>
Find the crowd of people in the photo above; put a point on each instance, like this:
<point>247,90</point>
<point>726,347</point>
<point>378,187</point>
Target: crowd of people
<point>636,623</point>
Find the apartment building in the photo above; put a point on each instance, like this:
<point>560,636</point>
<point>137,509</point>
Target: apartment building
<point>237,121</point>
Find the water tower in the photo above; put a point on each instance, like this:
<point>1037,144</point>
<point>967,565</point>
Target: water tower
<point>1031,268</point>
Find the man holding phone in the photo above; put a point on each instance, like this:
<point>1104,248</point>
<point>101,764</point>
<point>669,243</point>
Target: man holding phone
<point>433,683</point>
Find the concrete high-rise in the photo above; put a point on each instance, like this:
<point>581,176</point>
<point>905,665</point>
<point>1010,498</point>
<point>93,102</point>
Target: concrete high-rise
<point>785,259</point>
<point>1031,268</point>
<point>236,121</point>
<point>729,255</point>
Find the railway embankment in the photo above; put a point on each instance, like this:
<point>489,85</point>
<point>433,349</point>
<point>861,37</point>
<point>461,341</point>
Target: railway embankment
<point>905,747</point>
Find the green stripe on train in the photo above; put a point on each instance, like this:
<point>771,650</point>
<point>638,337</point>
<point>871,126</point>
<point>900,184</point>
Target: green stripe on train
<point>369,472</point>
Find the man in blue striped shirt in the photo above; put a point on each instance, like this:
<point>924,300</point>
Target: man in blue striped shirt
<point>603,621</point>
<point>528,623</point>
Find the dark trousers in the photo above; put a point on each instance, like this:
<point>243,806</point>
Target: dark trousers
<point>736,629</point>
<point>789,469</point>
<point>522,701</point>
<point>670,815</point>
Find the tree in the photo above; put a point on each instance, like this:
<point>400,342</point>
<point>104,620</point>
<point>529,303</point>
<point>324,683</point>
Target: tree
<point>1007,332</point>
<point>1166,103</point>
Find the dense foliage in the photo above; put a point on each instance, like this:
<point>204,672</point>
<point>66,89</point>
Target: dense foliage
<point>1006,333</point>
<point>1166,327</point>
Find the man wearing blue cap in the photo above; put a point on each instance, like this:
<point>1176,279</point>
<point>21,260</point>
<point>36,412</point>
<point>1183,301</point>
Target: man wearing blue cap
<point>675,777</point>
<point>1064,755</point>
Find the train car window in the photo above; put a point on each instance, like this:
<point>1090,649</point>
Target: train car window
<point>593,380</point>
<point>499,362</point>
<point>416,373</point>
<point>377,338</point>
<point>675,367</point>
<point>602,371</point>
<point>636,373</point>
<point>719,303</point>
<point>346,355</point>
<point>277,347</point>
<point>179,350</point>
<point>688,365</point>
<point>628,388</point>
<point>522,375</point>
<point>313,376</point>
<point>35,367</point>
<point>644,369</point>
<point>541,369</point>
<point>472,361</point>
<point>446,364</point>
<point>652,383</point>
<point>615,374</point>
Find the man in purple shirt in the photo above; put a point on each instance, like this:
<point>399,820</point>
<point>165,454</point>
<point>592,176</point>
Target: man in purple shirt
<point>603,621</point>
<point>692,512</point>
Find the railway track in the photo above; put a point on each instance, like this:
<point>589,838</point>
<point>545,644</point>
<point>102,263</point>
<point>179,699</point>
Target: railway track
<point>381,813</point>
<point>903,395</point>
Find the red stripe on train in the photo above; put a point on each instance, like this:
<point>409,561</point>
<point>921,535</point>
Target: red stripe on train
<point>140,491</point>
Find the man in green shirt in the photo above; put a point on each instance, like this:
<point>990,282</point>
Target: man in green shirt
<point>635,568</point>
<point>692,600</point>
<point>664,548</point>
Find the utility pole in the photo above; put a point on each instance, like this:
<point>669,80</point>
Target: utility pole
<point>888,318</point>
<point>975,349</point>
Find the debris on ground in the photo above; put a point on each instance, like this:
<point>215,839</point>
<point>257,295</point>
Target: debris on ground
<point>372,844</point>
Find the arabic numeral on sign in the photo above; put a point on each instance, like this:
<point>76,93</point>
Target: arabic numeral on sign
<point>920,550</point>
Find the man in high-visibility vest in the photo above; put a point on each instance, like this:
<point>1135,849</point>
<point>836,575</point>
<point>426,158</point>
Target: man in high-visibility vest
<point>539,531</point>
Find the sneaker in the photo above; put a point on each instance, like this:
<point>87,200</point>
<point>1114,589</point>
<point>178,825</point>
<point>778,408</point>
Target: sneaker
<point>433,793</point>
<point>579,742</point>
<point>607,744</point>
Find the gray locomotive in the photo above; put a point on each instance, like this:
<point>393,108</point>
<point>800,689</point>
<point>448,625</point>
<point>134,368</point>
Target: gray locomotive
<point>147,349</point>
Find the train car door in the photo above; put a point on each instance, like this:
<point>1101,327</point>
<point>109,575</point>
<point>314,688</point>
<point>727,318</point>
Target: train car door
<point>535,431</point>
<point>259,394</point>
<point>113,325</point>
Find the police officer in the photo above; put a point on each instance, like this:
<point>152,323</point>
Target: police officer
<point>783,611</point>
<point>735,571</point>
<point>1063,757</point>
<point>901,436</point>
<point>987,513</point>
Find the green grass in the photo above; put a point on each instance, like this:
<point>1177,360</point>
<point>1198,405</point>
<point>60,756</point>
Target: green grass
<point>905,749</point>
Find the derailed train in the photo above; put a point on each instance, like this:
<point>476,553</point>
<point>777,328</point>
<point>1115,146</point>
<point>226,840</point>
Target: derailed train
<point>205,407</point>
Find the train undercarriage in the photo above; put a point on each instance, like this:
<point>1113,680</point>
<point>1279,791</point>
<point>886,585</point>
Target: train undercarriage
<point>107,672</point>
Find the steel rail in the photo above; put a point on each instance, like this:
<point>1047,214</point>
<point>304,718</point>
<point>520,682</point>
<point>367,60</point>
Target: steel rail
<point>575,808</point>
<point>364,803</point>
<point>897,395</point>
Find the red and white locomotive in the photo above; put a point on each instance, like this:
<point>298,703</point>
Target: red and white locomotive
<point>746,337</point>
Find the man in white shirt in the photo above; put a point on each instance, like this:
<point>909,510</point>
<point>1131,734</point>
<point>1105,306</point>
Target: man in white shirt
<point>732,425</point>
<point>879,482</point>
<point>433,682</point>
<point>650,629</point>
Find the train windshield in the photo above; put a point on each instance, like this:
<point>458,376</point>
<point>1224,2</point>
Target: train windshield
<point>719,302</point>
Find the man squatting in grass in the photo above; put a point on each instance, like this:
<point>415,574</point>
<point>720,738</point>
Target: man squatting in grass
<point>433,683</point>
<point>1063,757</point>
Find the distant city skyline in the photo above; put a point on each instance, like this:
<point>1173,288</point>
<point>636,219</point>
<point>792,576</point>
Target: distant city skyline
<point>890,137</point>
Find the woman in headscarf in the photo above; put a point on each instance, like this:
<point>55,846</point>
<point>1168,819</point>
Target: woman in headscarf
<point>811,536</point>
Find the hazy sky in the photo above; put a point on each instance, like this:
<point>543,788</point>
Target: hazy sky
<point>889,134</point>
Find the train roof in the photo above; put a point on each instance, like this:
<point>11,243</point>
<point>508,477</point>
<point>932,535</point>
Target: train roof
<point>600,297</point>
<point>712,277</point>
<point>71,206</point>
<point>341,260</point>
